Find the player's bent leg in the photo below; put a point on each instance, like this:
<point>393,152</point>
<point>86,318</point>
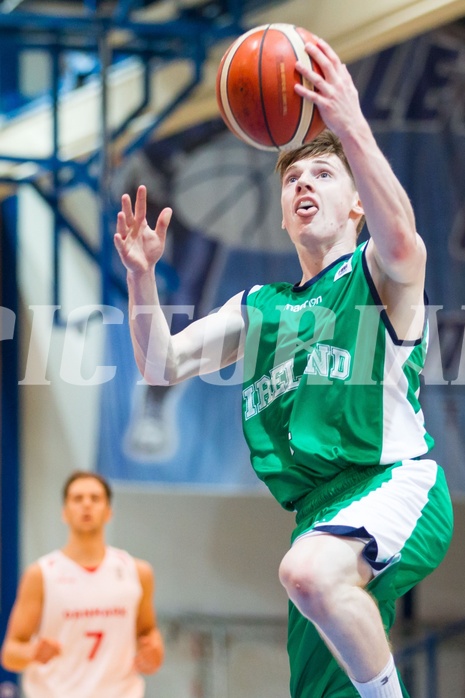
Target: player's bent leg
<point>324,576</point>
<point>407,527</point>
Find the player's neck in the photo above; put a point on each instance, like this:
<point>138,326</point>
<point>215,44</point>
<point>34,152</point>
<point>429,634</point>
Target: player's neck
<point>87,550</point>
<point>319,258</point>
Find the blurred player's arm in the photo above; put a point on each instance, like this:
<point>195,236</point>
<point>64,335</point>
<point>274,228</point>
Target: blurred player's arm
<point>206,345</point>
<point>21,646</point>
<point>150,647</point>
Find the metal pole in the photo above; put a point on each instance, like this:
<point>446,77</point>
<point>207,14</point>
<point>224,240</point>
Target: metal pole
<point>55,196</point>
<point>10,428</point>
<point>106,248</point>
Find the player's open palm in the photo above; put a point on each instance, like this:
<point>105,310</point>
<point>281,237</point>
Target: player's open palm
<point>45,649</point>
<point>140,246</point>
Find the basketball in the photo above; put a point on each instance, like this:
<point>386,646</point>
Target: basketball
<point>255,88</point>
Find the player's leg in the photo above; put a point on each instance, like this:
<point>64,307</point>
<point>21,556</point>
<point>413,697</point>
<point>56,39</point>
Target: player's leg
<point>314,671</point>
<point>324,576</point>
<point>404,517</point>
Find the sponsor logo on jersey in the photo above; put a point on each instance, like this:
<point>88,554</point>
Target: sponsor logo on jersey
<point>76,613</point>
<point>342,271</point>
<point>309,303</point>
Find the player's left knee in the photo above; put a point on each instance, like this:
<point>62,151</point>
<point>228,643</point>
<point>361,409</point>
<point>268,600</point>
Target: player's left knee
<point>307,585</point>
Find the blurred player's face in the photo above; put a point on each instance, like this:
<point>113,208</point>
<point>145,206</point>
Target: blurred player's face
<point>319,201</point>
<point>86,508</point>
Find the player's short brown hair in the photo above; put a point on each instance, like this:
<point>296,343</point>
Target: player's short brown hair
<point>85,474</point>
<point>326,143</point>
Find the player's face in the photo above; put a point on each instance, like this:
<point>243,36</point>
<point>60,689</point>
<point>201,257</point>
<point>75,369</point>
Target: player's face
<point>318,200</point>
<point>86,508</point>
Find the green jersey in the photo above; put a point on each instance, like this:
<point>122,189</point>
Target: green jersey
<point>327,383</point>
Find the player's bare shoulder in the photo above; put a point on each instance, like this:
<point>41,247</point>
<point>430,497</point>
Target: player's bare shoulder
<point>32,581</point>
<point>144,571</point>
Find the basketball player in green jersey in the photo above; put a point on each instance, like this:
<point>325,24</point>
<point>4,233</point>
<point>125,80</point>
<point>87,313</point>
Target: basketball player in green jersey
<point>330,395</point>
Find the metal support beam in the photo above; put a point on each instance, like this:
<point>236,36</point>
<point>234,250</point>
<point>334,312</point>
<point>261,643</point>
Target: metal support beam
<point>110,35</point>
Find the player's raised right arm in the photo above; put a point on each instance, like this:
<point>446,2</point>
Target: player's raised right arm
<point>206,345</point>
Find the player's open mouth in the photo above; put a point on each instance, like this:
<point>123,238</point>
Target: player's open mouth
<point>305,205</point>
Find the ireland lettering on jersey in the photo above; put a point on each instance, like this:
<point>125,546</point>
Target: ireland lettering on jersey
<point>323,360</point>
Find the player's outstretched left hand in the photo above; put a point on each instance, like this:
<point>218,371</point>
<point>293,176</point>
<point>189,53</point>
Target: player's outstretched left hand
<point>140,246</point>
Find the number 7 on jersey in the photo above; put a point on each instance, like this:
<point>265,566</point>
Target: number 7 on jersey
<point>97,637</point>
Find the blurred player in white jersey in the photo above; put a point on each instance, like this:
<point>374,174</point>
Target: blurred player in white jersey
<point>83,624</point>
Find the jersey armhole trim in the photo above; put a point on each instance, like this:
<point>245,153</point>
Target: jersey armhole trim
<point>382,310</point>
<point>245,295</point>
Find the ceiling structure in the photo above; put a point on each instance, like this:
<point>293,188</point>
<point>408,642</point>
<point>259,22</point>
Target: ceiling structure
<point>354,29</point>
<point>166,82</point>
<point>170,30</point>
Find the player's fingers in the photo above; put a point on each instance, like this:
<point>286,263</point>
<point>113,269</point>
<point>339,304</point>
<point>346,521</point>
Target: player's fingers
<point>126,208</point>
<point>57,648</point>
<point>164,220</point>
<point>47,650</point>
<point>118,242</point>
<point>140,662</point>
<point>140,207</point>
<point>121,225</point>
<point>327,50</point>
<point>326,64</point>
<point>306,93</point>
<point>314,78</point>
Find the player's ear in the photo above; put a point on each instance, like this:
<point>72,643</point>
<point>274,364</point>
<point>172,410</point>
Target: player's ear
<point>282,225</point>
<point>357,212</point>
<point>357,206</point>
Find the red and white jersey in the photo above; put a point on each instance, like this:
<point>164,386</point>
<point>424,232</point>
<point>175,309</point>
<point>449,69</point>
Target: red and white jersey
<point>93,616</point>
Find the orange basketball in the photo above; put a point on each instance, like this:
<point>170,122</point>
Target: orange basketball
<point>255,88</point>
